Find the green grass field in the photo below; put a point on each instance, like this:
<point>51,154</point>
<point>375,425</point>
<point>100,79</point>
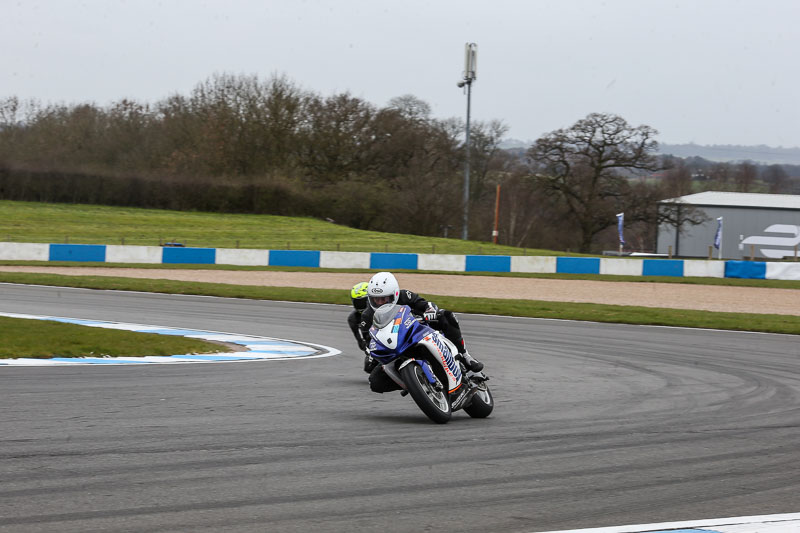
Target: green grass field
<point>20,337</point>
<point>93,224</point>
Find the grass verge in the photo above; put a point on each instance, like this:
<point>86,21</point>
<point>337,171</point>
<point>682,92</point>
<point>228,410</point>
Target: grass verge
<point>525,308</point>
<point>39,339</point>
<point>96,224</point>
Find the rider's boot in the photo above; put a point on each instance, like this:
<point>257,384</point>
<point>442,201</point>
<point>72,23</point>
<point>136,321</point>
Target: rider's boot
<point>471,363</point>
<point>369,363</point>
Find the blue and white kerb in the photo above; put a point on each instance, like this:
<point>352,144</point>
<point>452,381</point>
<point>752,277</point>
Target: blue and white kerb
<point>253,348</point>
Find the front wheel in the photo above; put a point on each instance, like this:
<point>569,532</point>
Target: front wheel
<point>433,402</point>
<point>481,404</point>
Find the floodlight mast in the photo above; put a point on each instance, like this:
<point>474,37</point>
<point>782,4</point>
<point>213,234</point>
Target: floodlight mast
<point>470,75</point>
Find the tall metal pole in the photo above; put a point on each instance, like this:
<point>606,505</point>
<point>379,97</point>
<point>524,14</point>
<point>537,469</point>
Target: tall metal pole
<point>470,74</point>
<point>465,231</point>
<point>496,233</point>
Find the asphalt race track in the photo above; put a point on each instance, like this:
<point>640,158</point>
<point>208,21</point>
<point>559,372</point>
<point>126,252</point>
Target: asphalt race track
<point>595,425</point>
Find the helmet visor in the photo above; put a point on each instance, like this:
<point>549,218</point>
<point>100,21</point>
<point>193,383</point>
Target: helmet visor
<point>379,301</point>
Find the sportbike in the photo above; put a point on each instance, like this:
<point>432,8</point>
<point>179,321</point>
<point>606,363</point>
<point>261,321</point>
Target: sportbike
<point>423,363</point>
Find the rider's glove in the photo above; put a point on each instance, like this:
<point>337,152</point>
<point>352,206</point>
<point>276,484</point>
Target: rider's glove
<point>362,344</point>
<point>431,312</point>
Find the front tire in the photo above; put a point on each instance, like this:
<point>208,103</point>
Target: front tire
<point>482,403</point>
<point>434,403</point>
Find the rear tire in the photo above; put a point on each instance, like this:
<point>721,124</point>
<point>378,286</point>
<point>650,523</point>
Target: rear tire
<point>482,403</point>
<point>434,403</point>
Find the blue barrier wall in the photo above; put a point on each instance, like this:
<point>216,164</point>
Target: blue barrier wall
<point>578,265</point>
<point>294,258</point>
<point>396,261</point>
<point>385,261</point>
<point>78,252</point>
<point>662,267</point>
<point>745,269</point>
<point>194,256</point>
<point>488,263</point>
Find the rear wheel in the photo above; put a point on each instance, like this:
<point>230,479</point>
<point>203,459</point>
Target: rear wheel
<point>432,399</point>
<point>482,402</point>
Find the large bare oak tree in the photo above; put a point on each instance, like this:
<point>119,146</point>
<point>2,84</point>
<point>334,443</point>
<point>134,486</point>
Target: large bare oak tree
<point>589,166</point>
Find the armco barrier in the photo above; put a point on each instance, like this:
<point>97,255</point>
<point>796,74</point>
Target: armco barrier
<point>134,254</point>
<point>77,252</point>
<point>662,267</point>
<point>745,269</point>
<point>192,256</point>
<point>294,258</point>
<point>488,263</point>
<point>14,251</point>
<point>783,271</point>
<point>386,261</point>
<point>452,263</point>
<point>621,267</point>
<point>577,265</point>
<point>696,268</point>
<point>22,251</point>
<point>533,264</point>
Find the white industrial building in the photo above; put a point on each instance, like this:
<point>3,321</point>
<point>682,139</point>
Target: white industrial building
<point>764,225</point>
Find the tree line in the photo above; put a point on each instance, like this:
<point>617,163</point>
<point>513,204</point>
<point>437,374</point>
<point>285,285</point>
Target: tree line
<point>241,144</point>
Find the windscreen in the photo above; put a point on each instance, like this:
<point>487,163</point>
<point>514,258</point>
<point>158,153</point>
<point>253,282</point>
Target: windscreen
<point>384,315</point>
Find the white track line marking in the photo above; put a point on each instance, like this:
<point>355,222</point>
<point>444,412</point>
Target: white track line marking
<point>776,523</point>
<point>255,347</point>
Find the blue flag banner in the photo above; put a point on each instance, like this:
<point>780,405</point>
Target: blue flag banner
<point>620,223</point>
<point>718,234</point>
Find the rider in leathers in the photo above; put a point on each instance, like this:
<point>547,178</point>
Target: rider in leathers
<point>445,320</point>
<point>358,295</point>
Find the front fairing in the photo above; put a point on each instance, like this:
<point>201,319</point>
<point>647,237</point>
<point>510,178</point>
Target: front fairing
<point>403,332</point>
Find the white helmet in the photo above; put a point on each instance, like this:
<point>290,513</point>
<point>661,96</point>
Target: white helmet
<point>383,293</point>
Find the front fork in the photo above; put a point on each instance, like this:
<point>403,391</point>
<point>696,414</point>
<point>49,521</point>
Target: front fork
<point>394,373</point>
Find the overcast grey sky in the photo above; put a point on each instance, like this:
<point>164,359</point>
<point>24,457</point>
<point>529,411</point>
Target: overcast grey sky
<point>704,71</point>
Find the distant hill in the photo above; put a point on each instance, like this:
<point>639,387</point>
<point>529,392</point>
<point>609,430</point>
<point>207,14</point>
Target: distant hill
<point>763,154</point>
<point>718,153</point>
<point>511,144</point>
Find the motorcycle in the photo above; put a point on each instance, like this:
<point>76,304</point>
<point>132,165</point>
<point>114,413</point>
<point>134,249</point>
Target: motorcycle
<point>423,363</point>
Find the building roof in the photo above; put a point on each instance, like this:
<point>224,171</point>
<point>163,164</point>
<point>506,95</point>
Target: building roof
<point>739,199</point>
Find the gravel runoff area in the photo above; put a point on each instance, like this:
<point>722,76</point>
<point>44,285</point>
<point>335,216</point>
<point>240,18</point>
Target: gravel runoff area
<point>667,295</point>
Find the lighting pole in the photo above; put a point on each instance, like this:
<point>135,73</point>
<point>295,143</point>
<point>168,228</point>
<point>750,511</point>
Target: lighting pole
<point>470,75</point>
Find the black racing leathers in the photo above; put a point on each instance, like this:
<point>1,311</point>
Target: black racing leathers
<point>354,320</point>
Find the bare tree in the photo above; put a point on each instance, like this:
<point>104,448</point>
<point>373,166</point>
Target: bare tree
<point>588,167</point>
<point>485,138</point>
<point>746,175</point>
<point>721,176</point>
<point>336,137</point>
<point>776,179</point>
<point>411,108</point>
<point>677,179</point>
